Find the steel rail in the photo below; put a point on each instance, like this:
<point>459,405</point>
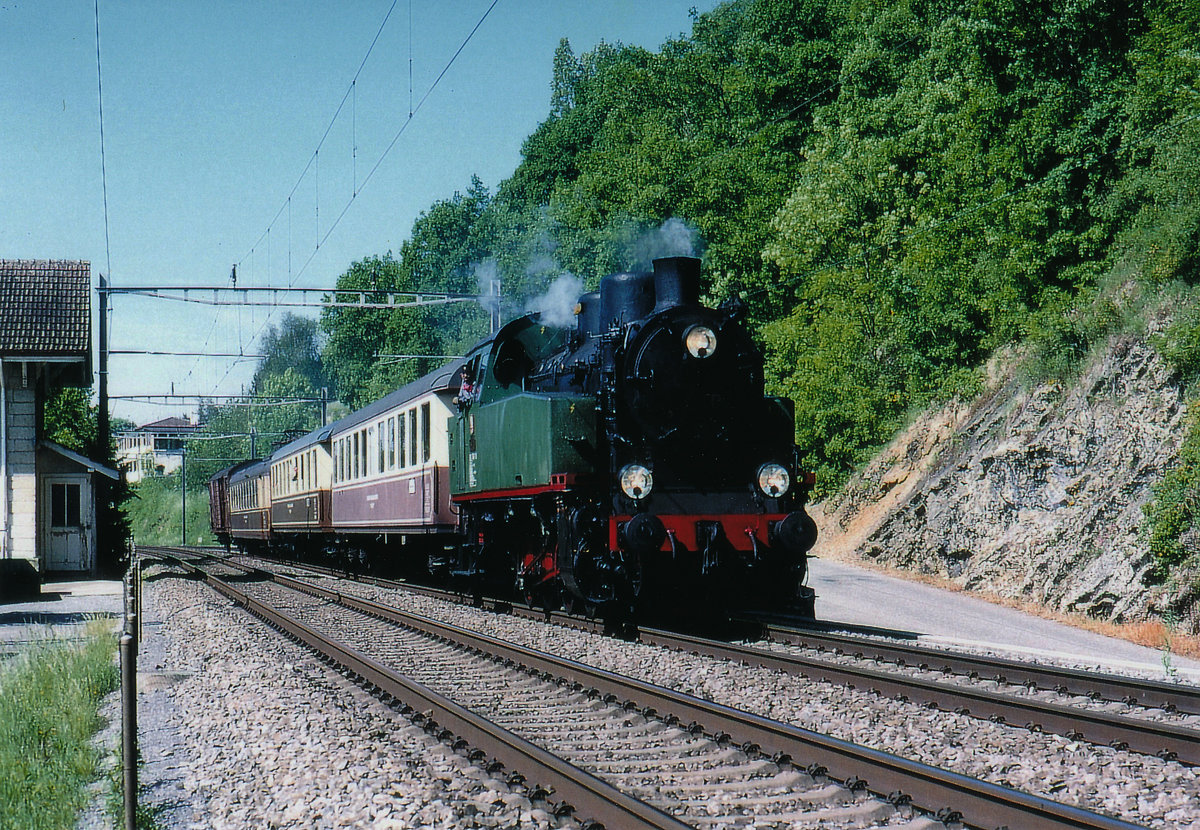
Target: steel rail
<point>1101,728</point>
<point>946,794</point>
<point>1148,693</point>
<point>588,796</point>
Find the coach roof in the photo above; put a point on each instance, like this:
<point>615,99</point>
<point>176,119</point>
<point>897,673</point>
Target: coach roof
<point>442,379</point>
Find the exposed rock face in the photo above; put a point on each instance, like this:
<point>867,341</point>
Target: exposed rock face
<point>1035,493</point>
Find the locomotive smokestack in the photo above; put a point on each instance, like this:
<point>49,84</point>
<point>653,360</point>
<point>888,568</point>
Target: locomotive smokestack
<point>624,298</point>
<point>676,282</point>
<point>587,320</point>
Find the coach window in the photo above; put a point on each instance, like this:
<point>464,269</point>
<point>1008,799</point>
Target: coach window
<point>354,468</point>
<point>400,441</point>
<point>363,451</point>
<point>426,440</point>
<point>412,437</point>
<point>381,446</point>
<point>370,454</point>
<point>392,443</point>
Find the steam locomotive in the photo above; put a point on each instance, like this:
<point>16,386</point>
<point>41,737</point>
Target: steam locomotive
<point>630,465</point>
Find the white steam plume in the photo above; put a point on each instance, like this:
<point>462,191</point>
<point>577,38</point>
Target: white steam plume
<point>487,273</point>
<point>557,305</point>
<point>673,237</point>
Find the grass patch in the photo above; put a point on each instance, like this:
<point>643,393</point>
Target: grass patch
<point>156,512</point>
<point>49,696</point>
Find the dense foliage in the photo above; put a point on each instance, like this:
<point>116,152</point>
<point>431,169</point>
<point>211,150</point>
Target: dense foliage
<point>157,512</point>
<point>894,187</point>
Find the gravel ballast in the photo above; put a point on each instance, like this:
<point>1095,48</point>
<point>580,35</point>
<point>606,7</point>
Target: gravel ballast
<point>1138,788</point>
<point>269,736</point>
<point>260,734</point>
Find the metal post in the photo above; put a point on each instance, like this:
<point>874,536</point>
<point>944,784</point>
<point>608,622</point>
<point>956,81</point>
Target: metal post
<point>183,487</point>
<point>128,652</point>
<point>137,593</point>
<point>494,302</point>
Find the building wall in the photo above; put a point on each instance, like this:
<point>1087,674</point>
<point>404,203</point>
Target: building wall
<point>21,435</point>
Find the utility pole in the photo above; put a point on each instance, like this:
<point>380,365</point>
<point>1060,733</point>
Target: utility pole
<point>324,407</point>
<point>253,442</point>
<point>494,305</point>
<point>102,423</point>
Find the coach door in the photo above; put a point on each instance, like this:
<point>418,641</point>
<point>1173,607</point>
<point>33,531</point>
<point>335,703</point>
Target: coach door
<point>67,503</point>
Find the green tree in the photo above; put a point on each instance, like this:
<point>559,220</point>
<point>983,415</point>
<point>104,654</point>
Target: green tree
<point>294,344</point>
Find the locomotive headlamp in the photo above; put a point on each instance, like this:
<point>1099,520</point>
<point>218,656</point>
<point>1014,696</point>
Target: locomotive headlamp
<point>636,481</point>
<point>773,480</point>
<point>701,341</point>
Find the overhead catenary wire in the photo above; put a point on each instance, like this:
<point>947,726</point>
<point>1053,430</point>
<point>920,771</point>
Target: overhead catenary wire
<point>400,132</point>
<point>378,163</point>
<point>313,158</point>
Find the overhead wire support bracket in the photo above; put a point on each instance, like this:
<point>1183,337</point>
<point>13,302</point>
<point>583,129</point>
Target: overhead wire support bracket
<point>294,297</point>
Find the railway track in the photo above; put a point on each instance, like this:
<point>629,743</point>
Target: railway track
<point>1155,718</point>
<point>1171,697</point>
<point>725,766</point>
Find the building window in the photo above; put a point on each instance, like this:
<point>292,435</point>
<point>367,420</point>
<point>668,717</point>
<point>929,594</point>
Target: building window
<point>64,505</point>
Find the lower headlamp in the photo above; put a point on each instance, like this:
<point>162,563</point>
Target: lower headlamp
<point>636,481</point>
<point>773,480</point>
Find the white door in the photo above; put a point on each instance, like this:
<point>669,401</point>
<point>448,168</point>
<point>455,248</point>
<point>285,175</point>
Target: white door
<point>69,510</point>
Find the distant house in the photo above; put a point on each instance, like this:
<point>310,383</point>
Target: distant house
<point>153,449</point>
<point>47,513</point>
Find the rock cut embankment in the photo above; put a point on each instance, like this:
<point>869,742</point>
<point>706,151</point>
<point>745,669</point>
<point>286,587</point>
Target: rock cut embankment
<point>1028,493</point>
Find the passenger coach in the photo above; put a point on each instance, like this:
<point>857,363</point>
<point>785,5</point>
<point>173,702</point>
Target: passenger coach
<point>390,462</point>
<point>299,481</point>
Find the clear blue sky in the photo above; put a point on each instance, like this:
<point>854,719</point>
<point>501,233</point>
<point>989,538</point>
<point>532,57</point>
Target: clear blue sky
<point>212,108</point>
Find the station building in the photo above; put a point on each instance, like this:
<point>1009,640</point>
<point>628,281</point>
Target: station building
<point>47,503</point>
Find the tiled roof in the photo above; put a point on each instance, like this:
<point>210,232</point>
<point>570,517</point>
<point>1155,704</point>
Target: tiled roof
<point>171,424</point>
<point>45,307</point>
